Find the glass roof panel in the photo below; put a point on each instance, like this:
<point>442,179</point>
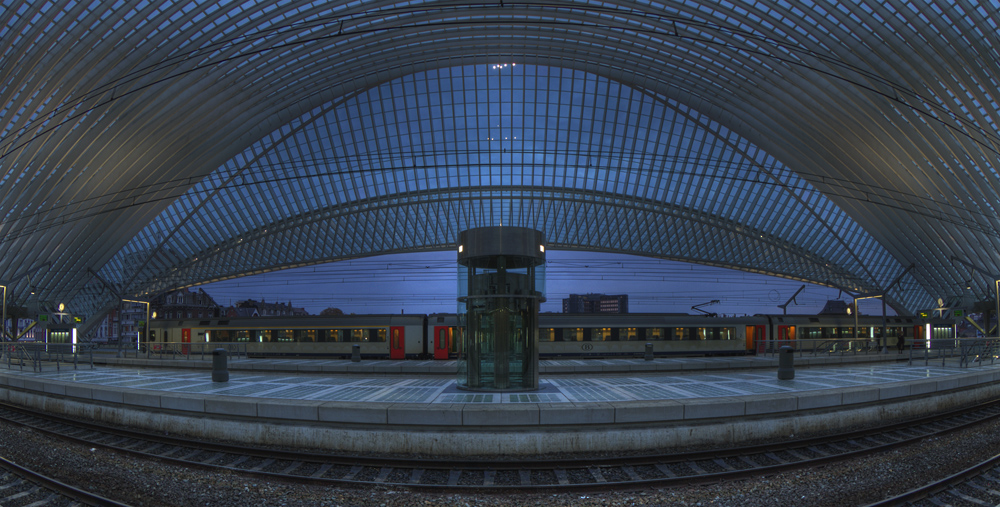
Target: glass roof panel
<point>513,128</point>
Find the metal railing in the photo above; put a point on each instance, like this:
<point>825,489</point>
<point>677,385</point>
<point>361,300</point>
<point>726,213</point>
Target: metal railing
<point>183,351</point>
<point>40,356</point>
<point>978,351</point>
<point>942,349</point>
<point>825,346</point>
<point>969,351</point>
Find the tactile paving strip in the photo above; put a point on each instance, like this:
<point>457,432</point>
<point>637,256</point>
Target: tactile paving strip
<point>465,398</point>
<point>300,392</point>
<point>558,389</point>
<point>536,398</point>
<point>407,395</point>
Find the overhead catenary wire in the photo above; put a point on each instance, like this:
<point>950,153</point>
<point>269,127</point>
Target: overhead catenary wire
<point>430,286</point>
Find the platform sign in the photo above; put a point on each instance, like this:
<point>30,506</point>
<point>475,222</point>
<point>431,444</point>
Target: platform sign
<point>959,314</point>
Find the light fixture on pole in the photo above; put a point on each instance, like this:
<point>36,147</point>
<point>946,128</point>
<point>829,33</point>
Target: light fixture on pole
<point>856,312</point>
<point>3,323</point>
<point>146,327</point>
<point>61,313</point>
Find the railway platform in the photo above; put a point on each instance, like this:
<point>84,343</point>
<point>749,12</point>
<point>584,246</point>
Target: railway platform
<point>450,367</point>
<point>686,402</point>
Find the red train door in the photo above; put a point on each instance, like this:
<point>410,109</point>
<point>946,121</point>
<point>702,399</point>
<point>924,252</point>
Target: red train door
<point>786,333</point>
<point>755,338</point>
<point>442,337</point>
<point>397,343</point>
<point>918,337</point>
<point>185,338</point>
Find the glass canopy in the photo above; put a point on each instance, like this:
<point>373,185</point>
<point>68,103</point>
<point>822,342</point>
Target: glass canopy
<point>151,145</point>
<point>595,164</point>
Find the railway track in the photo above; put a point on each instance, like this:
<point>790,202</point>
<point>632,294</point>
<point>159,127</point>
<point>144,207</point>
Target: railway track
<point>976,485</point>
<point>589,473</point>
<point>20,486</point>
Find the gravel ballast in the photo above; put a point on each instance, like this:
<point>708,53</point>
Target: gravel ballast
<point>146,482</point>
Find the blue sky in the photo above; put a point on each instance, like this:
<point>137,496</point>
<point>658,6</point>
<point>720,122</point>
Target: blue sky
<point>427,283</point>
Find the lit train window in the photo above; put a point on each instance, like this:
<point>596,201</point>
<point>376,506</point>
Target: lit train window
<point>655,333</point>
<point>546,335</point>
<point>600,334</point>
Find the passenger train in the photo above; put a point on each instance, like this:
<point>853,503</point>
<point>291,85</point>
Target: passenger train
<point>438,336</point>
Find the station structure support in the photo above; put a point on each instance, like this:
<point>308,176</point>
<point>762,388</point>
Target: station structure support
<point>501,278</point>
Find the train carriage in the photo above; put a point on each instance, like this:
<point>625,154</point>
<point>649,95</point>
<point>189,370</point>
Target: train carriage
<point>388,336</point>
<point>610,335</point>
<point>439,336</point>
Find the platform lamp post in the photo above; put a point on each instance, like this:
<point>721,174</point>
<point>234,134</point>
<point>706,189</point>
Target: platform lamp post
<point>146,328</point>
<point>856,299</point>
<point>997,300</point>
<point>3,323</point>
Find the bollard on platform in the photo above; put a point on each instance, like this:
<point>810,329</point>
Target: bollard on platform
<point>356,353</point>
<point>220,366</point>
<point>786,360</point>
<point>649,351</point>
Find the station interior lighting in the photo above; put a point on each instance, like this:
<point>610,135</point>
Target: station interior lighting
<point>146,327</point>
<point>3,323</point>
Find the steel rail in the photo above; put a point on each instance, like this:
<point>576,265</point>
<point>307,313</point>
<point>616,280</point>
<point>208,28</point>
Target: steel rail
<point>940,486</point>
<point>599,473</point>
<point>63,489</point>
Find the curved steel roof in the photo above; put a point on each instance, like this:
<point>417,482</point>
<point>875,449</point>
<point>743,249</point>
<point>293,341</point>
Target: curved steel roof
<point>148,146</point>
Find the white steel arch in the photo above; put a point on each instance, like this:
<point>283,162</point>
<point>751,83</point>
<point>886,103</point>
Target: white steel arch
<point>854,136</point>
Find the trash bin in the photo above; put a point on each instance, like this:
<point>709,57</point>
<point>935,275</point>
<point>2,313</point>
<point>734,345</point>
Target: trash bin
<point>356,353</point>
<point>786,360</point>
<point>649,351</point>
<point>220,366</point>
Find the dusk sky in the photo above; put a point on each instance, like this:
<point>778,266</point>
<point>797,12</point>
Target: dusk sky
<point>427,283</point>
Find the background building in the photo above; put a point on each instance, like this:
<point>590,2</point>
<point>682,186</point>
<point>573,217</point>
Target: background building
<point>253,308</point>
<point>185,304</point>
